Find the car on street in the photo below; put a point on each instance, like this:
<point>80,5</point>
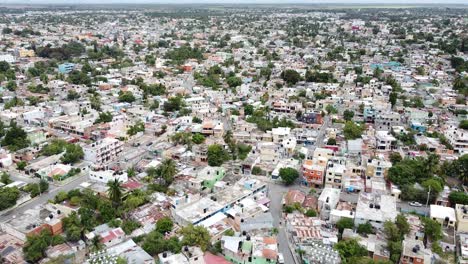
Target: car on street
<point>415,204</point>
<point>280,258</point>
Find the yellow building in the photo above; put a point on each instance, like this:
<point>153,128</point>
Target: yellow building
<point>26,53</point>
<point>462,217</point>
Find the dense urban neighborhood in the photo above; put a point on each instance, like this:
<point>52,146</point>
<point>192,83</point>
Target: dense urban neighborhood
<point>216,134</point>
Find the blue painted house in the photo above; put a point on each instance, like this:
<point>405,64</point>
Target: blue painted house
<point>66,67</point>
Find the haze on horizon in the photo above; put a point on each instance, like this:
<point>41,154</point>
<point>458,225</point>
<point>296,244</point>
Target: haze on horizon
<point>383,2</point>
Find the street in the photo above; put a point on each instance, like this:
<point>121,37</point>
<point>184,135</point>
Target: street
<point>42,199</point>
<point>276,192</point>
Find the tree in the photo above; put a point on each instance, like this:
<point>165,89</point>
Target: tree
<point>365,228</point>
<point>216,155</point>
<point>432,229</point>
<point>198,138</point>
<point>195,236</point>
<point>43,185</point>
<point>331,141</point>
<point>96,244</point>
<point>458,198</point>
<point>348,115</point>
<point>344,223</point>
<point>173,104</point>
<point>128,226</point>
<point>8,197</point>
<point>234,81</point>
<point>288,175</point>
<point>459,169</point>
<point>126,97</point>
<point>248,109</point>
<point>104,117</point>
<point>114,191</point>
<point>395,157</point>
<point>139,126</point>
<point>331,110</point>
<point>164,225</point>
<point>291,77</point>
<point>36,245</point>
<point>4,66</point>
<point>5,178</point>
<point>350,249</point>
<point>311,213</point>
<point>73,153</point>
<point>402,224</point>
<point>166,171</point>
<point>155,243</point>
<point>463,124</point>
<point>352,130</point>
<point>15,138</point>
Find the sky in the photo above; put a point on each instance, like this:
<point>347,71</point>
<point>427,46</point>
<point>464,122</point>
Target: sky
<point>74,2</point>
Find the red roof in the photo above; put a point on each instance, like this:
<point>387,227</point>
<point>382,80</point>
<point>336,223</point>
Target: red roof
<point>213,259</point>
<point>132,185</point>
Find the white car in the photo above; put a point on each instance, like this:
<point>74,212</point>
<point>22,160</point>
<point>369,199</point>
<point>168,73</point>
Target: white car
<point>280,258</point>
<point>415,204</point>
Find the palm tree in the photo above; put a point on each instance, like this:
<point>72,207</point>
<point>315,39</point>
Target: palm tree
<point>96,244</point>
<point>167,170</point>
<point>115,191</point>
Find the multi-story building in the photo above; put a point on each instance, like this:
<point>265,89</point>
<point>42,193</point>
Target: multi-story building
<point>461,211</point>
<point>336,168</point>
<point>313,174</point>
<point>384,141</point>
<point>103,151</point>
<point>458,138</point>
<point>385,121</point>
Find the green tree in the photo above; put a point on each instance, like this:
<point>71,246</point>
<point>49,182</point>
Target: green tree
<point>115,191</point>
<point>352,130</point>
<point>344,223</point>
<point>5,178</point>
<point>432,229</point>
<point>164,225</point>
<point>291,77</point>
<point>195,236</point>
<point>198,138</point>
<point>365,228</point>
<point>463,124</point>
<point>331,141</point>
<point>350,249</point>
<point>331,110</point>
<point>458,198</point>
<point>8,197</point>
<point>234,81</point>
<point>216,155</point>
<point>311,213</point>
<point>288,175</point>
<point>402,224</point>
<point>73,153</point>
<point>104,117</point>
<point>348,115</point>
<point>128,226</point>
<point>395,157</point>
<point>126,97</point>
<point>15,138</point>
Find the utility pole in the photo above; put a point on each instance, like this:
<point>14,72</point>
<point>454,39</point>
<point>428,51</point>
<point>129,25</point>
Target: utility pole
<point>428,194</point>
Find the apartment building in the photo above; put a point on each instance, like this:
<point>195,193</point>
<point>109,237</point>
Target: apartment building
<point>102,151</point>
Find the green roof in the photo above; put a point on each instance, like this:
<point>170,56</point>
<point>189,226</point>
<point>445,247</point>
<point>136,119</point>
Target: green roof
<point>247,246</point>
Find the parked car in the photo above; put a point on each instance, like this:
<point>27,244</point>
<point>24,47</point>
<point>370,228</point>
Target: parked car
<point>280,258</point>
<point>415,204</point>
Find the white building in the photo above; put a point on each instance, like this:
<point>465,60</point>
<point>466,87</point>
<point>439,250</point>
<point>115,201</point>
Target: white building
<point>444,215</point>
<point>103,151</point>
<point>375,209</point>
<point>108,175</point>
<point>458,138</point>
<point>384,141</point>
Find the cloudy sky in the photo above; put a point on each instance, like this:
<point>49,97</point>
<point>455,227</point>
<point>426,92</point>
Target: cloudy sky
<point>231,1</point>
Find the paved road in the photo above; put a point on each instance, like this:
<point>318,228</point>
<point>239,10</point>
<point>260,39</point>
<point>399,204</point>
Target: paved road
<point>276,192</point>
<point>75,183</point>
